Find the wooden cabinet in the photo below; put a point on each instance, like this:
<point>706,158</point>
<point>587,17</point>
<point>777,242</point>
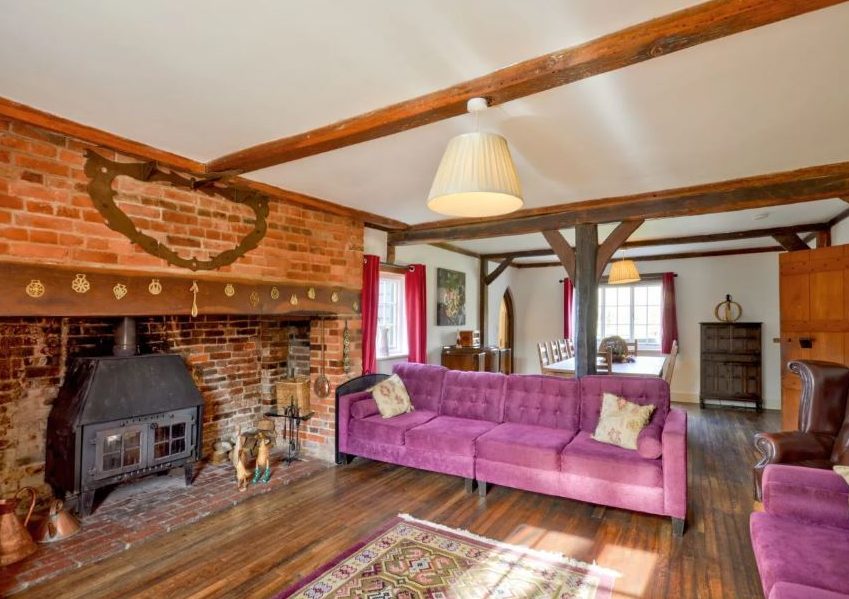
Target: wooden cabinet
<point>731,363</point>
<point>481,359</point>
<point>814,289</point>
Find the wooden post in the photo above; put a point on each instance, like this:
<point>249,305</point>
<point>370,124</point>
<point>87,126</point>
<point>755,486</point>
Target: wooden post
<point>824,238</point>
<point>586,302</point>
<point>483,297</point>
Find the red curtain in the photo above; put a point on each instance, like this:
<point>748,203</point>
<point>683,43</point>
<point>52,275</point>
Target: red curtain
<point>371,285</point>
<point>669,320</point>
<point>568,299</point>
<point>416,302</point>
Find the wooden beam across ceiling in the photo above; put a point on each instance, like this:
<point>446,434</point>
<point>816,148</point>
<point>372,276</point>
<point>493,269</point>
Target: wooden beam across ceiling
<point>651,39</point>
<point>791,242</point>
<point>690,239</point>
<point>787,187</point>
<point>680,256</point>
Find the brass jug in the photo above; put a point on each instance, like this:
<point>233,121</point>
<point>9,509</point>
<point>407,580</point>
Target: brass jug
<point>15,541</point>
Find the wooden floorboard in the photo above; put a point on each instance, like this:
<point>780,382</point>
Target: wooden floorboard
<point>259,547</point>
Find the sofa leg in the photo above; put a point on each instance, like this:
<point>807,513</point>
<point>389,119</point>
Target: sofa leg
<point>469,485</point>
<point>482,488</point>
<point>678,527</point>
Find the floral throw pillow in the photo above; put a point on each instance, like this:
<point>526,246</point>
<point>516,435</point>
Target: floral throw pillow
<point>621,421</point>
<point>392,397</point>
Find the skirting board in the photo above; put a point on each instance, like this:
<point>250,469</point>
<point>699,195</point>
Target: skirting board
<point>684,397</point>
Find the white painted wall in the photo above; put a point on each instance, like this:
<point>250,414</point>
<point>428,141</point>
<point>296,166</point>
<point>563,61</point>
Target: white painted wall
<point>840,233</point>
<point>433,258</point>
<point>752,280</point>
<point>374,243</point>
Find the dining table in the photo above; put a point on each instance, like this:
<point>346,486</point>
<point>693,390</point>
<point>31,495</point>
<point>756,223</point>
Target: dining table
<point>641,366</point>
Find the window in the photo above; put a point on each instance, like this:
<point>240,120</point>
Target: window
<point>391,318</point>
<point>631,312</point>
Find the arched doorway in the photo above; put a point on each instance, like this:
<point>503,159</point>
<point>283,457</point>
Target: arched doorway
<point>506,325</point>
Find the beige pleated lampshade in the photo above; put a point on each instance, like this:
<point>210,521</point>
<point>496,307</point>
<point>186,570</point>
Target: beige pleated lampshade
<point>476,178</point>
<point>623,271</point>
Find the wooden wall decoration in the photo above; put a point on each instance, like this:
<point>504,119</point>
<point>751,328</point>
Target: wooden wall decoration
<point>813,287</point>
<point>102,173</point>
<point>44,290</point>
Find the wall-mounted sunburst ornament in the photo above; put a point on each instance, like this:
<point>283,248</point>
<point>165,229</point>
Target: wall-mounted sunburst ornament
<point>35,288</point>
<point>80,284</point>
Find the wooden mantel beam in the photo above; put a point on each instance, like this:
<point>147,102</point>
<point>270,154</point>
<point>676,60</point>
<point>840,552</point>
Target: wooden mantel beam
<point>651,39</point>
<point>786,187</point>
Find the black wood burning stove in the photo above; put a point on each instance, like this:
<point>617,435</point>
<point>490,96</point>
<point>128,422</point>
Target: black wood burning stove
<point>118,418</point>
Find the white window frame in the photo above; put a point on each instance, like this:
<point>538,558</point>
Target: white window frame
<point>644,344</point>
<point>398,347</point>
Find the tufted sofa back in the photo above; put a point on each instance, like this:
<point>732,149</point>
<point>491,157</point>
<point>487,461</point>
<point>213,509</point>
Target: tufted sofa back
<point>477,395</point>
<point>636,389</point>
<point>542,400</point>
<point>423,382</point>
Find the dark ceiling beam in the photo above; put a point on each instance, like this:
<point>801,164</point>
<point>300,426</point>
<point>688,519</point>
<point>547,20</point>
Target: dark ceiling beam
<point>681,256</point>
<point>791,242</point>
<point>787,187</point>
<point>488,279</point>
<point>651,39</point>
<point>613,242</point>
<point>708,238</point>
<point>449,247</point>
<point>562,250</point>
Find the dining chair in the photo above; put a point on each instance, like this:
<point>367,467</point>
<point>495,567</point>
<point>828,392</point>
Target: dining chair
<point>669,363</point>
<point>571,345</point>
<point>554,350</point>
<point>563,344</point>
<point>544,359</point>
<point>606,362</point>
<point>632,347</point>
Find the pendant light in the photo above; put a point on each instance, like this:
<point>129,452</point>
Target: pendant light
<point>476,176</point>
<point>623,271</point>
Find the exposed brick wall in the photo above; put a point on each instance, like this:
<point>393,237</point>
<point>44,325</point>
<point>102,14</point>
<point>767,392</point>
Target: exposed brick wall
<point>234,360</point>
<point>46,215</point>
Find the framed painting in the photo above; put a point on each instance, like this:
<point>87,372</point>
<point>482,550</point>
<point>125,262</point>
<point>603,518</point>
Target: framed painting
<point>450,297</point>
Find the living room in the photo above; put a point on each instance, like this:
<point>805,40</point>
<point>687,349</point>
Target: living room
<point>265,261</point>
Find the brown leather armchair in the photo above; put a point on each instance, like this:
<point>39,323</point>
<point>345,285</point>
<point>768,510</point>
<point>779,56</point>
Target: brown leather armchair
<point>823,436</point>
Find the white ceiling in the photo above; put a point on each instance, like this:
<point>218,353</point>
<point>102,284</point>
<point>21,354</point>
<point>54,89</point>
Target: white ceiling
<point>206,77</point>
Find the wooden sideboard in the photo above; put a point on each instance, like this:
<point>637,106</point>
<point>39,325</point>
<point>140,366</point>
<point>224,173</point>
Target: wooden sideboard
<point>480,359</point>
<point>731,363</point>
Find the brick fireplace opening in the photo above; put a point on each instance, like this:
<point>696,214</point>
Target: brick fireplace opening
<point>235,361</point>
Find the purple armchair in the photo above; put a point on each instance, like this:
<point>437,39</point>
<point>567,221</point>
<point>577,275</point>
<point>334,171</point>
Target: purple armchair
<point>823,436</point>
<point>801,539</point>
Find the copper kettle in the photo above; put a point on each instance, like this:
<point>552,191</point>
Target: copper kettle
<point>15,541</point>
<point>58,525</point>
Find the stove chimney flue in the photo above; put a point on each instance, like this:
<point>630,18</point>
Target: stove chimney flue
<point>125,338</point>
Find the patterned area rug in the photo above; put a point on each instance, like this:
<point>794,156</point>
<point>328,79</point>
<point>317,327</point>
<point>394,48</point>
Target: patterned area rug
<point>412,559</point>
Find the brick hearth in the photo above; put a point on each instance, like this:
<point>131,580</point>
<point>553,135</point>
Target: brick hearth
<point>138,511</point>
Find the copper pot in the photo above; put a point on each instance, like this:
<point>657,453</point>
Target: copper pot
<point>15,541</point>
<point>58,525</point>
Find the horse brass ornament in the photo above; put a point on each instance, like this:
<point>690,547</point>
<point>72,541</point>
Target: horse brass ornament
<point>102,172</point>
<point>80,284</point>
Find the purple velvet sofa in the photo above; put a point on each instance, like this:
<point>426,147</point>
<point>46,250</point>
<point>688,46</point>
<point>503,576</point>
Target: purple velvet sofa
<point>524,431</point>
<point>801,539</point>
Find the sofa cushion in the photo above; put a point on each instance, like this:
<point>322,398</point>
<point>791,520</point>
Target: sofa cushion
<point>474,395</point>
<point>364,408</point>
<point>792,551</point>
<point>423,383</point>
<point>585,456</point>
<point>526,445</point>
<point>788,590</point>
<point>392,397</point>
<point>636,389</point>
<point>448,434</point>
<point>542,400</point>
<point>621,421</point>
<point>388,430</point>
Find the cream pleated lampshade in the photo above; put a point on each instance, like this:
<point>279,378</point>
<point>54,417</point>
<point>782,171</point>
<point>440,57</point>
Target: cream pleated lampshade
<point>623,271</point>
<point>476,178</point>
